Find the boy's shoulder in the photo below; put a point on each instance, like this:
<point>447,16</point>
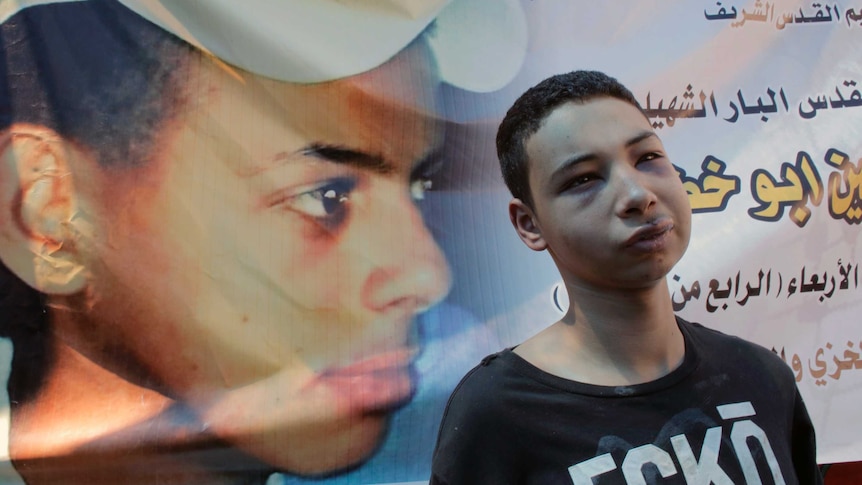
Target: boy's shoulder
<point>489,376</point>
<point>475,407</point>
<point>712,336</point>
<point>490,388</point>
<point>716,346</point>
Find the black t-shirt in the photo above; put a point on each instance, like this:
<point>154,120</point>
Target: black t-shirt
<point>729,414</point>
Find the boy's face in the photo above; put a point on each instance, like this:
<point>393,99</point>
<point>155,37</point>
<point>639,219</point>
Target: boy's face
<point>608,203</point>
<point>277,235</point>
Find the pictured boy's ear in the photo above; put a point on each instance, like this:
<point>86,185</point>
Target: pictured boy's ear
<point>37,204</point>
<point>524,220</point>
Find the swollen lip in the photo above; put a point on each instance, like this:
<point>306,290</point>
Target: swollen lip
<point>652,239</point>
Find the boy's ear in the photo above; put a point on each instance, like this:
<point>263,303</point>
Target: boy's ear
<point>524,220</point>
<point>37,205</point>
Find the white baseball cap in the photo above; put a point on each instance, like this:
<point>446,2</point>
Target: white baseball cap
<point>479,45</point>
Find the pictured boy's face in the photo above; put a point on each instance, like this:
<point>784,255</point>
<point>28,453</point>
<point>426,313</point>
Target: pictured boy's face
<point>276,234</point>
<point>608,203</point>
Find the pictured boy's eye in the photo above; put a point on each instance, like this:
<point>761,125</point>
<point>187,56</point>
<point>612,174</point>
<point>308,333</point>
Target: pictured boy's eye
<point>326,203</point>
<point>419,187</point>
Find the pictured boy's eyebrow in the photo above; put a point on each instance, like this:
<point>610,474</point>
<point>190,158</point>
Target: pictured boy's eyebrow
<point>427,165</point>
<point>347,156</point>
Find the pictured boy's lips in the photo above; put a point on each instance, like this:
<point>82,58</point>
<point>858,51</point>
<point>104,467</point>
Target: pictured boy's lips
<point>385,360</point>
<point>650,237</point>
<point>381,381</point>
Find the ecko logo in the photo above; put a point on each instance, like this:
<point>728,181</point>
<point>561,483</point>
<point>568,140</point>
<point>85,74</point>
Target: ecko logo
<point>703,471</point>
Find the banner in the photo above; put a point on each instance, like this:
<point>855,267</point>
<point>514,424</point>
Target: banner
<point>262,243</point>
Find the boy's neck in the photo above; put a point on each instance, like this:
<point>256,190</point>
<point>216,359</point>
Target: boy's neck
<point>611,338</point>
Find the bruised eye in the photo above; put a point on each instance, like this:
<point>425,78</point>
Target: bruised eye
<point>326,203</point>
<point>649,156</point>
<point>580,180</point>
<point>419,187</point>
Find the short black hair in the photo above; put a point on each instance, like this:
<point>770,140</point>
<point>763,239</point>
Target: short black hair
<point>530,110</point>
<point>95,72</point>
<point>103,77</point>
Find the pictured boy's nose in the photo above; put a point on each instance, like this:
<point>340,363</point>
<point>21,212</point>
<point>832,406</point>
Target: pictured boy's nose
<point>409,269</point>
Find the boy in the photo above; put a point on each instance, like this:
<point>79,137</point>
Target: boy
<point>620,390</point>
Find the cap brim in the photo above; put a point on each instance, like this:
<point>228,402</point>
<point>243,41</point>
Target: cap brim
<point>478,45</point>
